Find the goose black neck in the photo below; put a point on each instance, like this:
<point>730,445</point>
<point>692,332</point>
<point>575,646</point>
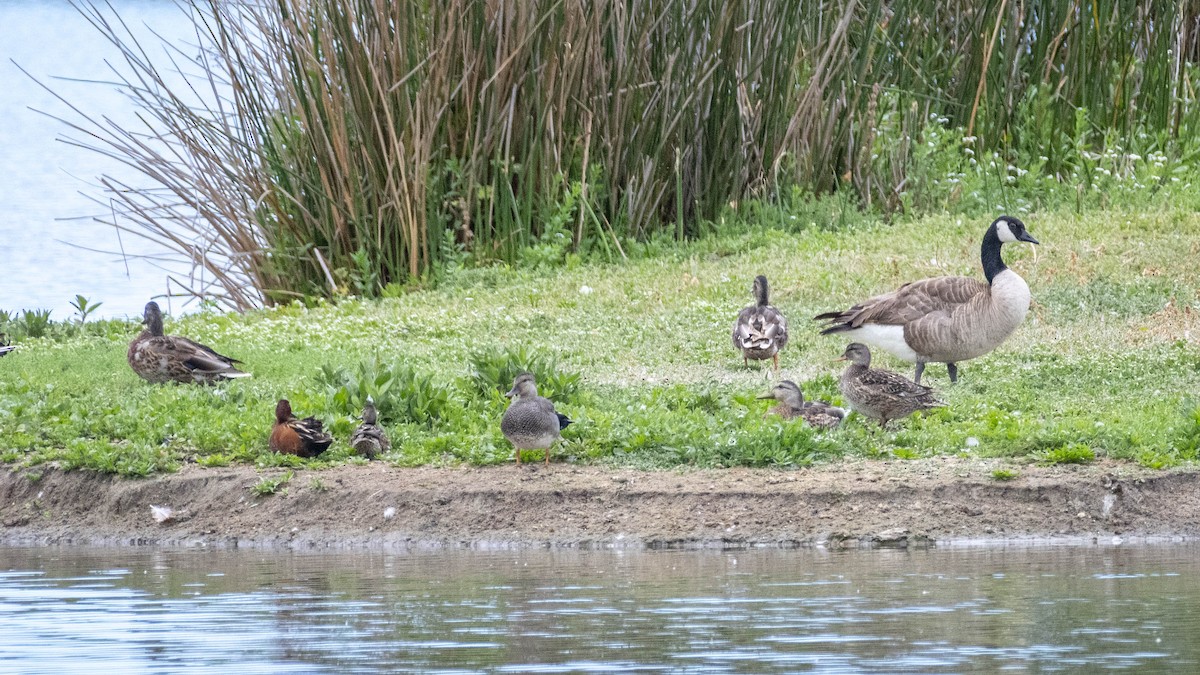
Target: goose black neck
<point>989,254</point>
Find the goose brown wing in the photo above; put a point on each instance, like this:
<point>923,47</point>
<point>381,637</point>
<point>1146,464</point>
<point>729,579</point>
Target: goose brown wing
<point>909,303</point>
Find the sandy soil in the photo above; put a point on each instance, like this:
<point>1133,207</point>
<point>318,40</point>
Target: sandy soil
<point>381,507</point>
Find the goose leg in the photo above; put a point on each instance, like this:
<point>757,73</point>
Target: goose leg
<point>952,368</point>
<point>745,361</point>
<point>920,369</point>
<point>517,452</point>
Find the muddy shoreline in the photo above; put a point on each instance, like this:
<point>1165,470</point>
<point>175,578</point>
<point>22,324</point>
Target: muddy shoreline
<point>860,503</point>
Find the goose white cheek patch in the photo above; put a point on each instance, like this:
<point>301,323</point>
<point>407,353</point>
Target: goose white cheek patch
<point>1004,232</point>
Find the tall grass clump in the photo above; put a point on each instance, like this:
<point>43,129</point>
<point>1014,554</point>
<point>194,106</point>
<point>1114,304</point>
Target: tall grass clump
<point>347,146</point>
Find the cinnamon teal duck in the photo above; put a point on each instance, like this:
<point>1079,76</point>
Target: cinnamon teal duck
<point>293,436</point>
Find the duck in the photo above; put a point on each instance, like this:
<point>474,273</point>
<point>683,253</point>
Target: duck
<point>531,422</point>
<point>159,358</point>
<point>818,414</point>
<point>881,394</point>
<point>369,439</point>
<point>760,330</point>
<point>293,436</point>
<point>944,319</point>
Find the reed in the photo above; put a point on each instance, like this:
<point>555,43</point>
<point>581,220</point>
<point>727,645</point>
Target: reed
<point>334,146</point>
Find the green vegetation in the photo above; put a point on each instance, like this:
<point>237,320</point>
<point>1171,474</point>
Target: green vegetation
<point>639,355</point>
<point>1005,475</point>
<point>365,146</point>
<point>267,486</point>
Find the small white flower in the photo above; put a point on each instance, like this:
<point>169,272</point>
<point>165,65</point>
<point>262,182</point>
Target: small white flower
<point>585,290</point>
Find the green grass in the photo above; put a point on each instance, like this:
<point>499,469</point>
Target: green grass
<point>1106,361</point>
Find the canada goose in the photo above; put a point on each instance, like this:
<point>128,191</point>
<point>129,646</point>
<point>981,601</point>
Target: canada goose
<point>163,358</point>
<point>880,394</point>
<point>291,436</point>
<point>791,405</point>
<point>4,346</point>
<point>531,422</point>
<point>369,438</point>
<point>945,319</point>
<point>760,330</point>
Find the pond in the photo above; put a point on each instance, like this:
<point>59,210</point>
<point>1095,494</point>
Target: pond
<point>1041,609</point>
<point>50,248</point>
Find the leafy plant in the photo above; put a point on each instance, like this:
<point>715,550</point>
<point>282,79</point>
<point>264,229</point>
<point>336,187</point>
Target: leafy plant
<point>84,307</point>
<point>1004,475</point>
<point>400,392</point>
<point>493,371</point>
<point>271,486</point>
<point>35,322</point>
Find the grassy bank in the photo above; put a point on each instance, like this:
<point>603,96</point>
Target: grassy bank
<point>1106,364</point>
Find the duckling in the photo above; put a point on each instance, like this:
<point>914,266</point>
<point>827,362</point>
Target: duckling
<point>292,436</point>
<point>531,422</point>
<point>369,438</point>
<point>881,394</point>
<point>760,330</point>
<point>818,414</point>
<point>945,319</point>
<point>163,358</point>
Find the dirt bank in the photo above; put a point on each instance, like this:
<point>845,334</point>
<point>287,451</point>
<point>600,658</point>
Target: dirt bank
<point>377,506</point>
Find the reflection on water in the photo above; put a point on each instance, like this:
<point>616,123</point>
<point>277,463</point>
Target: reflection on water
<point>1044,610</point>
<point>44,182</point>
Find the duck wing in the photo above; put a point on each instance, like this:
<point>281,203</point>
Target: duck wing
<point>312,434</point>
<point>200,358</point>
<point>895,385</point>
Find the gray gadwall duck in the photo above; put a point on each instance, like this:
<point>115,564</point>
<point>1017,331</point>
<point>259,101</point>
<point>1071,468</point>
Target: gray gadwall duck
<point>531,422</point>
<point>881,394</point>
<point>945,319</point>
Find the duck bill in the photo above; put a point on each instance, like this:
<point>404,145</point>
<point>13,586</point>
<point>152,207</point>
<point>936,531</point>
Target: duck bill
<point>511,393</point>
<point>841,358</point>
<point>766,395</point>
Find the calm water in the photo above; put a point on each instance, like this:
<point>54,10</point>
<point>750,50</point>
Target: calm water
<point>44,181</point>
<point>937,611</point>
